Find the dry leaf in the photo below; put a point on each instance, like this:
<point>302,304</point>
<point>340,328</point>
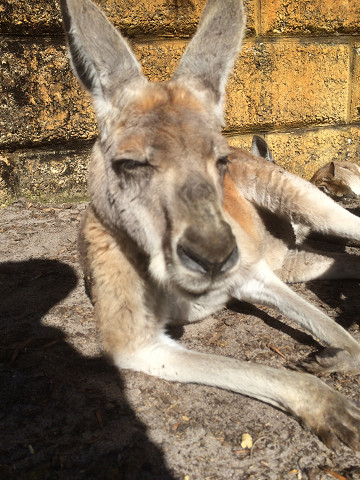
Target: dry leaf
<point>246,440</point>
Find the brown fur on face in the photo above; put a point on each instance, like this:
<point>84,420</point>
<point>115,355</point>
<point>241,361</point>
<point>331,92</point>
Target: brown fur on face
<point>169,95</point>
<point>239,209</point>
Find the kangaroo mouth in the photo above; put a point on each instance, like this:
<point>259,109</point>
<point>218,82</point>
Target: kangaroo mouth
<point>193,276</point>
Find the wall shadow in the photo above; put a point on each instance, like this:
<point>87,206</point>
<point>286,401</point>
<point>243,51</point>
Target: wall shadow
<point>62,416</point>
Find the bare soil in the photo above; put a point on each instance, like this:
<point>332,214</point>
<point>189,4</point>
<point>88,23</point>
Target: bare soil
<point>67,413</point>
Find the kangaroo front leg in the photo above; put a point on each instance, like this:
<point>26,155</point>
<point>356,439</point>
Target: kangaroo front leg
<point>117,290</point>
<point>326,412</point>
<point>265,288</point>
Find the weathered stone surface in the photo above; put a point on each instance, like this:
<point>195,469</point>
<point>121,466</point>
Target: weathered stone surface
<point>274,84</point>
<point>242,141</point>
<point>28,17</point>
<point>133,17</point>
<point>159,17</point>
<point>45,174</point>
<point>355,86</point>
<point>286,84</point>
<point>303,152</point>
<point>40,100</point>
<point>310,17</point>
<point>159,59</point>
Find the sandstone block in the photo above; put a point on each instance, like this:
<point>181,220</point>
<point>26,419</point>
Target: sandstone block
<point>305,17</point>
<point>133,17</point>
<point>44,174</point>
<point>287,84</point>
<point>27,17</point>
<point>40,100</point>
<point>355,86</point>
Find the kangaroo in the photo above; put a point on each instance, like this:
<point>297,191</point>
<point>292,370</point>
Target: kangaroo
<point>179,224</point>
<point>338,179</point>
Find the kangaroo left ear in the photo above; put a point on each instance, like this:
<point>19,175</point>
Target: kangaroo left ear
<point>209,57</point>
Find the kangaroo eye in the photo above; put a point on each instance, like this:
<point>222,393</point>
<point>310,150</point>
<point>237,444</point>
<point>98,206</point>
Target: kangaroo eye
<point>127,164</point>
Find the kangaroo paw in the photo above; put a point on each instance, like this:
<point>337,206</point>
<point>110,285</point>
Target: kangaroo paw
<point>333,418</point>
<point>332,360</point>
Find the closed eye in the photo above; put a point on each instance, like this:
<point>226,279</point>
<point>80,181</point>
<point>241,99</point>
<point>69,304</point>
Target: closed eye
<point>127,164</point>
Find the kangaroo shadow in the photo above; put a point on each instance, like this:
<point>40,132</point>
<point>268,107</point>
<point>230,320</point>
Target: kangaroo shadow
<point>246,308</point>
<point>62,416</point>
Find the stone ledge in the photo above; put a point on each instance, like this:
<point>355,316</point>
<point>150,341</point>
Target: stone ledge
<point>44,174</point>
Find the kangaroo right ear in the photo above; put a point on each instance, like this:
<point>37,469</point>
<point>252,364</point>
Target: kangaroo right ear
<point>260,148</point>
<point>100,56</point>
<point>209,57</point>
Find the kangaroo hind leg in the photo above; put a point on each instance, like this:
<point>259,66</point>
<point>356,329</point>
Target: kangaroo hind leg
<point>326,412</point>
<point>285,194</point>
<point>305,265</point>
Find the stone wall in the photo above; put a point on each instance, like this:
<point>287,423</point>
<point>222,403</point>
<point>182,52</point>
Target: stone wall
<point>297,82</point>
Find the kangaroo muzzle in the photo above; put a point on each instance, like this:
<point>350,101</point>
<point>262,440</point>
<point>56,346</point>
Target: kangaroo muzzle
<point>207,245</point>
<point>210,253</point>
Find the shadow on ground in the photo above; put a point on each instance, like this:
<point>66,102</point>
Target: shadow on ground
<point>63,416</point>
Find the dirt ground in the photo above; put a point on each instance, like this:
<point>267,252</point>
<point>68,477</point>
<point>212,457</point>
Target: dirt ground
<point>67,413</point>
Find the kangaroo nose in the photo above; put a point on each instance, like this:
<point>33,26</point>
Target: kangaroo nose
<point>207,252</point>
<point>193,261</point>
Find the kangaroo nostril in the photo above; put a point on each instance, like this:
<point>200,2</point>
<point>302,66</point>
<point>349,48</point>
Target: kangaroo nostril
<point>230,260</point>
<point>208,248</point>
<point>192,260</point>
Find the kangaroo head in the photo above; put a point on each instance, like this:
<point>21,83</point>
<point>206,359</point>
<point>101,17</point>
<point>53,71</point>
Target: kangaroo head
<point>158,165</point>
<point>333,182</point>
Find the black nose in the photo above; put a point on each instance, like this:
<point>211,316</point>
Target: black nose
<point>198,263</point>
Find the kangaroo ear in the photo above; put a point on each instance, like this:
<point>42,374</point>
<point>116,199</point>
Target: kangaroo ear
<point>209,57</point>
<point>332,168</point>
<point>260,148</point>
<point>100,56</point>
